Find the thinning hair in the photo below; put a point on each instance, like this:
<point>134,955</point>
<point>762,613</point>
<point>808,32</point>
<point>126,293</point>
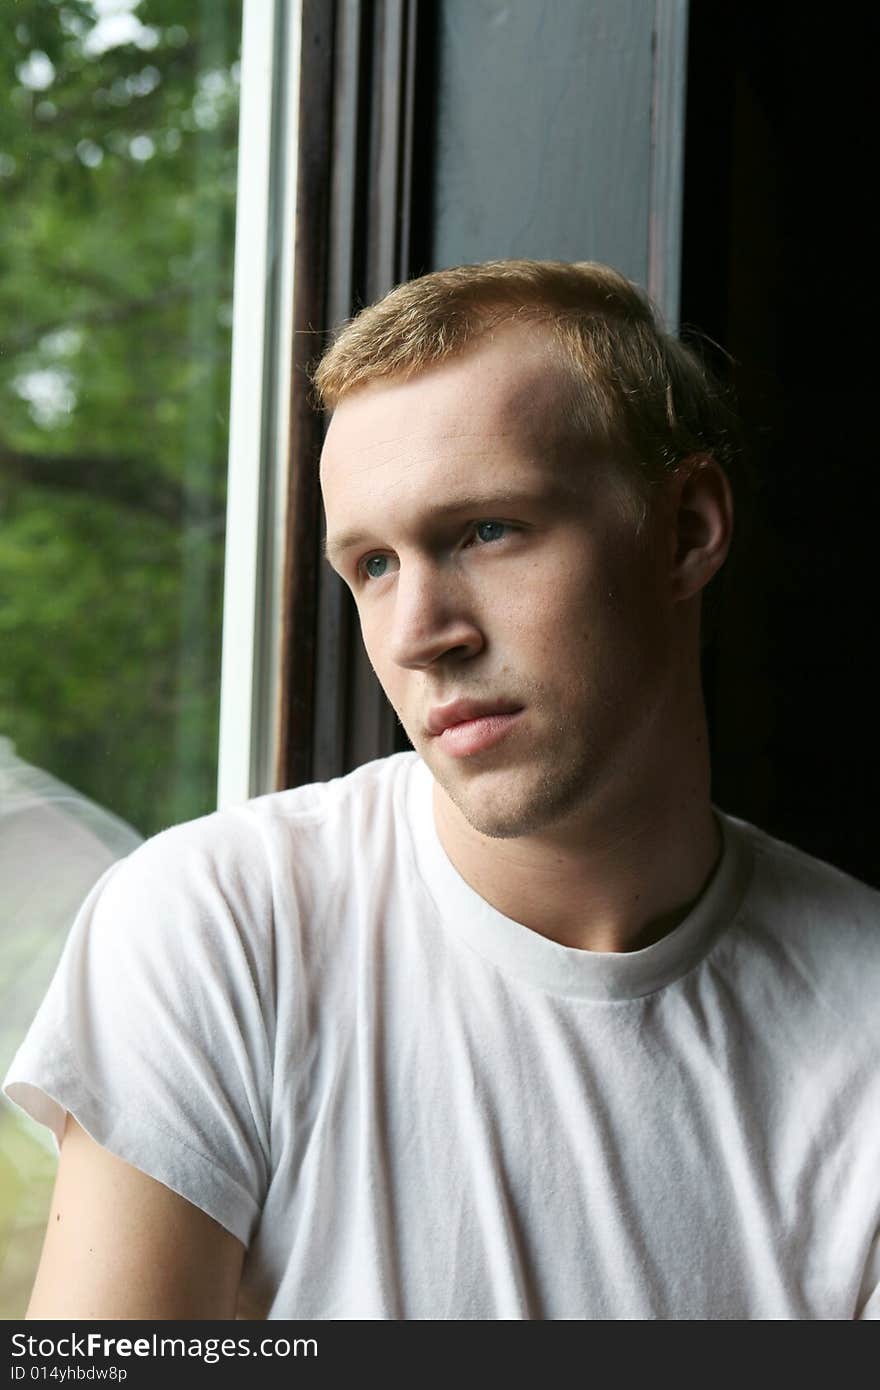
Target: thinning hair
<point>636,395</point>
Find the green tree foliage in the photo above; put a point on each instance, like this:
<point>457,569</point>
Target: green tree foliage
<point>117,197</point>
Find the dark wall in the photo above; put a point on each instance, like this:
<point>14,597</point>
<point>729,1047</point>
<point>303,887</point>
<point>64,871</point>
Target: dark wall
<point>780,244</point>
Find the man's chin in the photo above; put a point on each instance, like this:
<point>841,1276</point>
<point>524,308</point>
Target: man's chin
<point>502,805</point>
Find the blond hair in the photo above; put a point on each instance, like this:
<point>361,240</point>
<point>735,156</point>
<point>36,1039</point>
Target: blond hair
<point>638,395</point>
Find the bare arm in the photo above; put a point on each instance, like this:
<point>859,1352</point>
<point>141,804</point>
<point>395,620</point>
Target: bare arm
<point>119,1244</point>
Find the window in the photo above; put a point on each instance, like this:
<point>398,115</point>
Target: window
<point>118,145</point>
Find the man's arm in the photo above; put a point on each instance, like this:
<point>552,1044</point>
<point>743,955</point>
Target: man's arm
<point>120,1244</point>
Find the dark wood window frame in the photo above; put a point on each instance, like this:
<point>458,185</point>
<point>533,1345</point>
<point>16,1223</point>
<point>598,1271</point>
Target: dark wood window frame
<point>362,226</point>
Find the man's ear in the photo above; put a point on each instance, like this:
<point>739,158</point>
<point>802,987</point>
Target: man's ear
<point>701,524</point>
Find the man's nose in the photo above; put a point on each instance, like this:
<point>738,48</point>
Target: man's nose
<point>433,617</point>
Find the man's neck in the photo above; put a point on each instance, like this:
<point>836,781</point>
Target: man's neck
<point>615,878</point>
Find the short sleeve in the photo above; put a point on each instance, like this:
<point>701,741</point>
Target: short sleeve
<point>869,1297</point>
<point>155,1031</point>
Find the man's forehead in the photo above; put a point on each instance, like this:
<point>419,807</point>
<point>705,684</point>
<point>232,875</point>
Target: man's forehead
<point>505,389</point>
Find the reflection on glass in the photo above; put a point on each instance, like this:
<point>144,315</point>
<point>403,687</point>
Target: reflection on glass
<point>54,845</point>
<point>117,189</point>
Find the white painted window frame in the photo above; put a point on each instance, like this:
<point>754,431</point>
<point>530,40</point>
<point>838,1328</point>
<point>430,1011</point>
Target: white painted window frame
<point>259,407</point>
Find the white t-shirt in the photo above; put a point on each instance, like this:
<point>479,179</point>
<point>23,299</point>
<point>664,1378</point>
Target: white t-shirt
<point>300,1017</point>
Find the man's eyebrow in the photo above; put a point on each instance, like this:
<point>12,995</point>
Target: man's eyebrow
<point>486,503</point>
<point>334,546</point>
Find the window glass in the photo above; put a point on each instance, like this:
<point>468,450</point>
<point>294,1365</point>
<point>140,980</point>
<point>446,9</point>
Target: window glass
<point>543,131</point>
<point>118,135</point>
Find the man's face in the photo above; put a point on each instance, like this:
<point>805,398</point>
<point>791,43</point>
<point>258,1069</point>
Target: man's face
<point>498,571</point>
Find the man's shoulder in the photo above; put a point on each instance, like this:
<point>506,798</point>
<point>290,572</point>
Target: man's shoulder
<point>812,918</point>
<point>360,807</point>
<point>802,878</point>
<point>230,877</point>
<point>358,815</point>
<point>367,788</point>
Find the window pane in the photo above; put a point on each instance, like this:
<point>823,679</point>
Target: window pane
<point>117,199</point>
<point>543,134</point>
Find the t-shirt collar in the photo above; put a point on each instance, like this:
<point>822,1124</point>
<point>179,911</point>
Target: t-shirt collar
<point>545,964</point>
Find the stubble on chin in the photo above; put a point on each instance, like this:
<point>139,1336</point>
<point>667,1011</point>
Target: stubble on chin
<point>514,791</point>
<point>514,801</point>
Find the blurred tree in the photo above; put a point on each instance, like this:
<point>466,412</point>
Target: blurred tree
<point>117,199</point>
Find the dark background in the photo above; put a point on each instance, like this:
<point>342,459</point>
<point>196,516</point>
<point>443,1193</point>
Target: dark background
<point>780,235</point>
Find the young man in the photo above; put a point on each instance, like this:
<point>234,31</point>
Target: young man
<point>516,1025</point>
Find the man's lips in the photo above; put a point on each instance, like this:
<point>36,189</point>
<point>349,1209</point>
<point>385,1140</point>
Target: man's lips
<point>443,717</point>
<point>468,727</point>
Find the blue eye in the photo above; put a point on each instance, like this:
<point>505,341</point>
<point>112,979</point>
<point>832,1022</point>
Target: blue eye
<point>490,530</point>
<point>375,566</point>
